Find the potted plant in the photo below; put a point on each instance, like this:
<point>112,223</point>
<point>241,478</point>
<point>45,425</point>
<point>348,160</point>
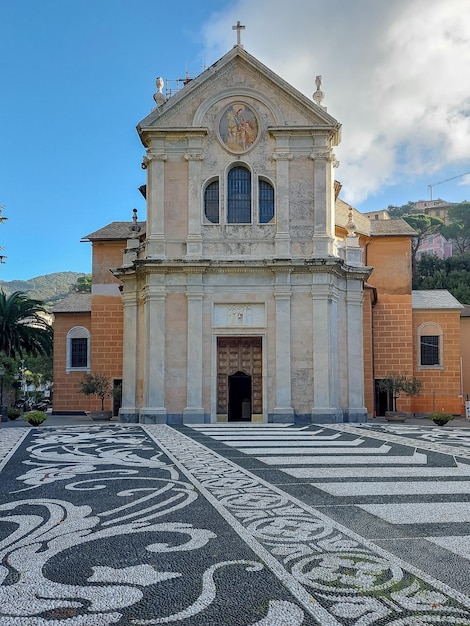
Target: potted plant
<point>100,386</point>
<point>35,418</point>
<point>440,418</point>
<point>396,385</point>
<point>13,413</point>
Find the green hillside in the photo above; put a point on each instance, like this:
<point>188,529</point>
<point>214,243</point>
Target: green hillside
<point>49,288</point>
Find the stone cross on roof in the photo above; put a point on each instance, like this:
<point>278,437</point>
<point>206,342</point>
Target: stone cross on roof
<point>238,27</point>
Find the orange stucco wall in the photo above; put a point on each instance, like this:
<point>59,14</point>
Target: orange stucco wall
<point>107,339</point>
<point>66,396</point>
<point>441,387</point>
<point>106,255</point>
<point>391,259</point>
<point>105,324</point>
<point>465,353</point>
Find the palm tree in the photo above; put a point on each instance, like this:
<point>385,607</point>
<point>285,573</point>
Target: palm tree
<point>23,328</point>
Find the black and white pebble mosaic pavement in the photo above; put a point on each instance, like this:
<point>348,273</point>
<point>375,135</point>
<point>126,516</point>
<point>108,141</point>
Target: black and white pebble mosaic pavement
<point>214,525</point>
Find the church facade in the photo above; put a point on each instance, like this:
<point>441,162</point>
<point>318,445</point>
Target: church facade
<point>251,292</point>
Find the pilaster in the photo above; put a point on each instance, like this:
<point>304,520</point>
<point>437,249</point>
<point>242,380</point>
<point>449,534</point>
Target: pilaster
<point>194,412</point>
<point>357,412</point>
<point>155,236</point>
<point>323,202</point>
<point>325,350</point>
<point>194,238</point>
<point>283,411</point>
<point>282,156</point>
<point>129,411</point>
<point>154,410</point>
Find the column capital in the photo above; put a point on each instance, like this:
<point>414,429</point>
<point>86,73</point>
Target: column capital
<point>150,156</point>
<point>284,155</point>
<point>194,156</point>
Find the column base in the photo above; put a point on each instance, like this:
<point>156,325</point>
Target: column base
<point>193,415</point>
<point>327,415</point>
<point>357,415</point>
<point>129,415</point>
<point>282,246</point>
<point>151,415</point>
<point>282,415</point>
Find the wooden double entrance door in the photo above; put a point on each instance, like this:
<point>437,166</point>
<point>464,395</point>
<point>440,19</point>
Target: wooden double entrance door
<point>239,377</point>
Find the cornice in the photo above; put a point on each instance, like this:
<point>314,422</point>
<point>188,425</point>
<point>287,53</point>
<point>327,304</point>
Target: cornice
<point>330,265</point>
<point>173,132</point>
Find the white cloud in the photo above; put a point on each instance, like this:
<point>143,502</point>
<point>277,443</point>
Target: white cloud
<point>395,74</point>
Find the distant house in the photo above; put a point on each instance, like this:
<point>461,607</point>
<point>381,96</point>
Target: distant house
<point>436,208</point>
<point>383,214</point>
<point>436,245</point>
<point>433,244</point>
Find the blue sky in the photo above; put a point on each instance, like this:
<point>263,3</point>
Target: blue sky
<point>78,75</point>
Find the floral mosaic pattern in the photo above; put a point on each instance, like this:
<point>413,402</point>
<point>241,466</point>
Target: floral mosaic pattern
<point>351,581</point>
<point>143,525</point>
<point>115,542</point>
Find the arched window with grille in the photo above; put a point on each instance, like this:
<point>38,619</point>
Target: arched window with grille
<point>239,196</point>
<point>430,350</point>
<point>78,349</point>
<point>266,202</point>
<point>211,202</point>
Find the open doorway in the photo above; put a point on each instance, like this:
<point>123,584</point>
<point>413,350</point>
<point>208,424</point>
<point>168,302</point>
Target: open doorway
<point>383,400</point>
<point>239,397</point>
<point>117,395</point>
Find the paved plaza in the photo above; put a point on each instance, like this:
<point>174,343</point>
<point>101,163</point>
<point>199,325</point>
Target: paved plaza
<point>244,525</point>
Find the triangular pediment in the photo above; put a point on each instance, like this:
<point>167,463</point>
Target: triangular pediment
<point>239,75</point>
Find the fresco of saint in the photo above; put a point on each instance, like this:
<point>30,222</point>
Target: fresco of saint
<point>238,127</point>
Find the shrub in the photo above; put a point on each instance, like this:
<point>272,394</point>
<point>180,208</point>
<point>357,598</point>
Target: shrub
<point>97,385</point>
<point>443,417</point>
<point>13,413</point>
<point>35,418</point>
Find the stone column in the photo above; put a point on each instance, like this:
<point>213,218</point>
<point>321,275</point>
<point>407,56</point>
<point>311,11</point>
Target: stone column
<point>323,204</point>
<point>282,156</point>
<point>154,411</point>
<point>354,305</point>
<point>283,411</point>
<point>129,411</point>
<point>155,236</point>
<point>194,411</point>
<point>325,350</point>
<point>194,238</point>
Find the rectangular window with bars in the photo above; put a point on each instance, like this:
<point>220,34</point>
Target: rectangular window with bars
<point>79,352</point>
<point>429,349</point>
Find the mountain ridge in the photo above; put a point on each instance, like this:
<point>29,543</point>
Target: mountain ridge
<point>49,288</point>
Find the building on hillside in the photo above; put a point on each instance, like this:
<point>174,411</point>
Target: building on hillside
<point>382,214</point>
<point>436,208</point>
<point>436,245</point>
<point>252,291</point>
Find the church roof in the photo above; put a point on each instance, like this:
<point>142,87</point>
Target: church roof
<point>342,217</point>
<point>114,231</point>
<point>390,228</point>
<point>74,303</point>
<point>434,299</point>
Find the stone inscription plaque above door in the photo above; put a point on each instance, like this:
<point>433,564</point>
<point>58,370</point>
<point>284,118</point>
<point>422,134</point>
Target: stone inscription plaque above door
<point>227,315</point>
<point>238,127</point>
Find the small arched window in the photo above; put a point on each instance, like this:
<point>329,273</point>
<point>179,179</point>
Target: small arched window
<point>266,202</point>
<point>430,346</point>
<point>239,196</point>
<point>211,202</point>
<point>78,349</point>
